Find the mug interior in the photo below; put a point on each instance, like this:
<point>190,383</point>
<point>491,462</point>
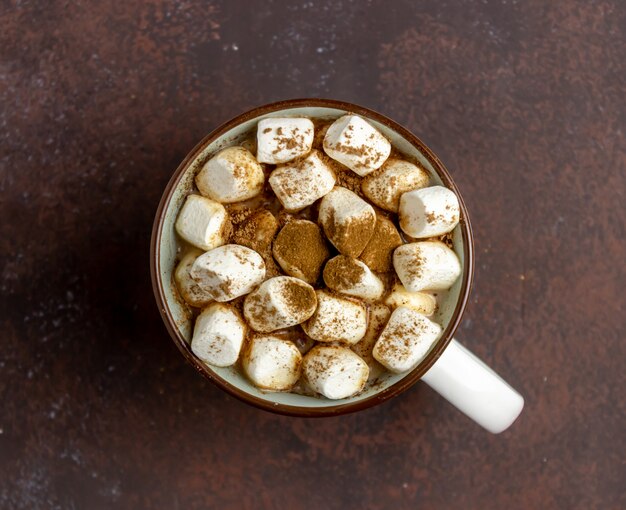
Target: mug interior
<point>177,315</point>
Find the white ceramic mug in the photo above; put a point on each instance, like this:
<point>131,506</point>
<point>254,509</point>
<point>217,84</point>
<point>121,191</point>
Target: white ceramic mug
<point>449,368</point>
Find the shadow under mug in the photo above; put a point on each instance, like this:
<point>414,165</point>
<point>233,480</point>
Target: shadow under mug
<point>449,368</point>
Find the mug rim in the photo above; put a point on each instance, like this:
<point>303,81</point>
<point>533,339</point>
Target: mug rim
<point>333,409</point>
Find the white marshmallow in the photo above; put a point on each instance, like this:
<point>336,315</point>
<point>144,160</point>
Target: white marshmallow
<point>348,221</point>
<point>202,222</point>
<point>352,277</point>
<point>426,265</point>
<point>429,212</point>
<point>335,372</point>
<point>378,316</point>
<point>228,272</point>
<point>272,363</point>
<point>385,186</point>
<point>355,143</point>
<point>336,319</point>
<point>187,287</point>
<point>299,184</point>
<point>421,302</point>
<point>218,335</point>
<point>279,302</point>
<point>232,175</point>
<point>406,339</point>
<point>282,139</point>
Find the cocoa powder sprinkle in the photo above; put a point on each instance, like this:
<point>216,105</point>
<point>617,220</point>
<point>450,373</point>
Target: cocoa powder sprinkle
<point>342,272</point>
<point>378,254</point>
<point>299,298</point>
<point>301,250</point>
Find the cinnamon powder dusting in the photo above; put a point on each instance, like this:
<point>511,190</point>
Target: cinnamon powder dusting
<point>350,236</point>
<point>299,298</point>
<point>301,250</point>
<point>257,231</point>
<point>378,254</point>
<point>343,272</point>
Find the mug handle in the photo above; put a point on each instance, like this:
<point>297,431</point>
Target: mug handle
<point>474,388</point>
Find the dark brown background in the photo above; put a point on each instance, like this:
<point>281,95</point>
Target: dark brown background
<point>524,102</point>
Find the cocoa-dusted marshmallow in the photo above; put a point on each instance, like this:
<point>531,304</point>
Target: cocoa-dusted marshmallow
<point>187,287</point>
<point>336,319</point>
<point>406,339</point>
<point>272,363</point>
<point>335,372</point>
<point>429,212</point>
<point>352,277</point>
<point>355,143</point>
<point>257,232</point>
<point>348,221</point>
<point>202,222</point>
<point>378,253</point>
<point>426,265</point>
<point>218,335</point>
<point>278,303</point>
<point>232,175</point>
<point>378,316</point>
<point>421,302</point>
<point>228,271</point>
<point>281,139</point>
<point>301,250</point>
<point>299,184</point>
<point>385,186</point>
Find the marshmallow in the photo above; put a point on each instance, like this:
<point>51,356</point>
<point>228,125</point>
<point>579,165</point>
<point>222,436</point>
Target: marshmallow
<point>348,221</point>
<point>355,143</point>
<point>301,250</point>
<point>421,302</point>
<point>378,253</point>
<point>336,319</point>
<point>278,303</point>
<point>228,272</point>
<point>335,372</point>
<point>186,285</point>
<point>426,265</point>
<point>378,317</point>
<point>385,186</point>
<point>202,222</point>
<point>352,277</point>
<point>272,363</point>
<point>218,335</point>
<point>282,139</point>
<point>429,212</point>
<point>406,339</point>
<point>257,232</point>
<point>232,175</point>
<point>299,184</point>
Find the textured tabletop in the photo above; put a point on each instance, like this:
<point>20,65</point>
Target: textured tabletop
<point>100,101</point>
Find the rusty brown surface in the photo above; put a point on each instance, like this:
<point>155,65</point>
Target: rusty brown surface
<point>523,101</point>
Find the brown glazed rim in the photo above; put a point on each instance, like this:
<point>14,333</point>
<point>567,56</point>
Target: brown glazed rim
<point>333,409</point>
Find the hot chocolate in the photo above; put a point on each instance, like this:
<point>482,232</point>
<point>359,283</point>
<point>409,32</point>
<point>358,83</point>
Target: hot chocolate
<point>312,254</point>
